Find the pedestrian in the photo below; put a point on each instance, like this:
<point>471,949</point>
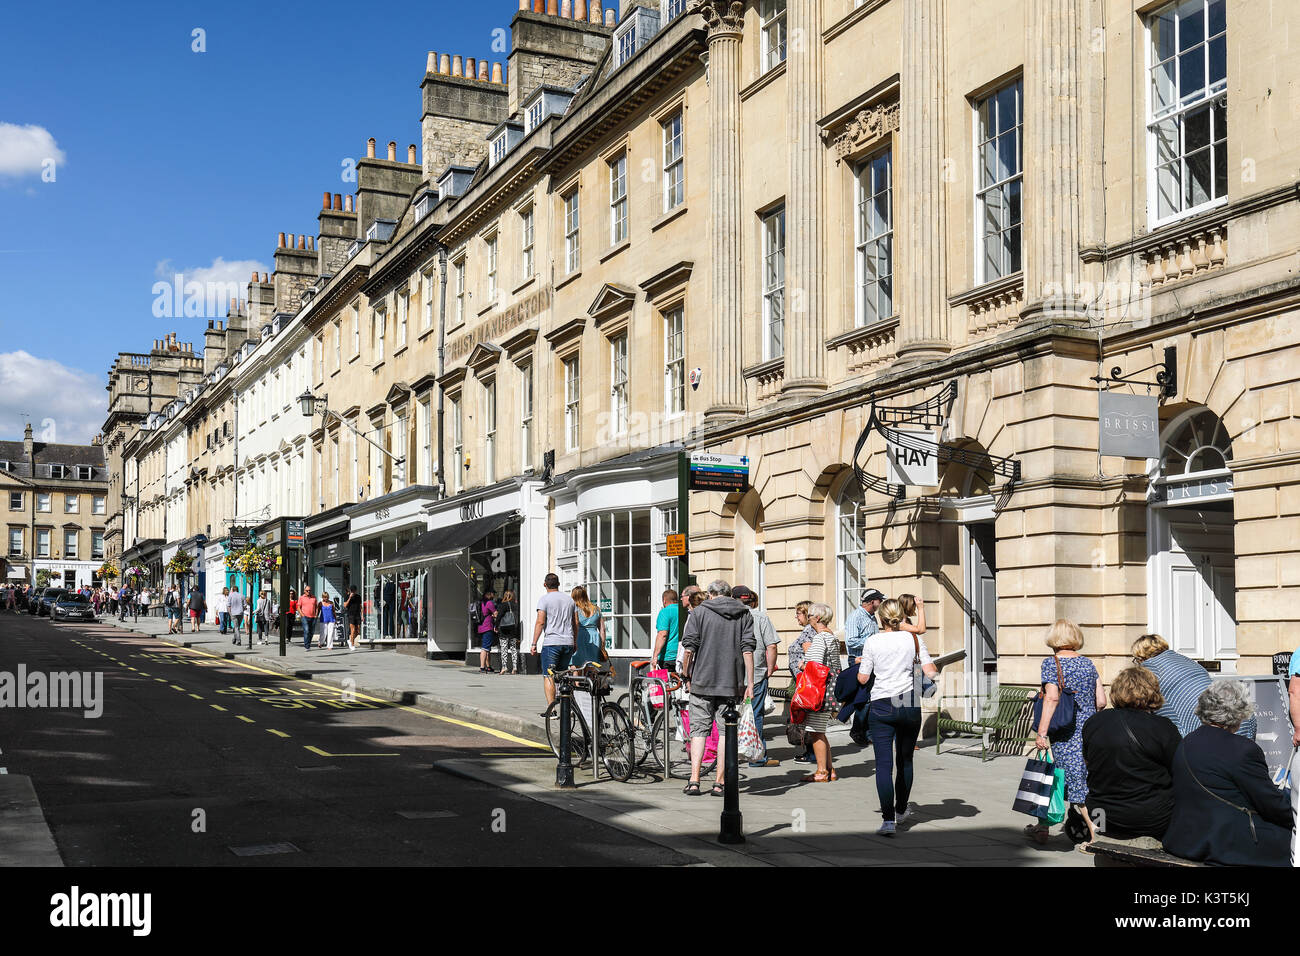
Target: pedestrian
<point>590,645</point>
<point>824,648</point>
<point>223,609</point>
<point>308,607</point>
<point>1182,681</point>
<point>1067,670</point>
<point>172,607</point>
<point>718,664</point>
<point>125,605</point>
<point>508,632</point>
<point>146,598</point>
<point>794,662</point>
<point>861,624</point>
<point>1129,751</point>
<point>891,656</point>
<point>328,622</point>
<point>293,610</point>
<point>263,616</point>
<point>557,630</point>
<point>766,642</point>
<point>1226,809</point>
<point>667,632</point>
<point>198,607</point>
<point>235,609</point>
<point>352,608</point>
<point>486,629</point>
<point>96,600</point>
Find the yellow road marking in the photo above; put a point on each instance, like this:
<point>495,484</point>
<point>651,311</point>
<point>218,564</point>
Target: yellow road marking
<point>161,680</point>
<point>247,720</point>
<point>490,731</point>
<point>216,707</point>
<point>278,733</point>
<point>196,696</point>
<point>177,687</point>
<point>317,750</point>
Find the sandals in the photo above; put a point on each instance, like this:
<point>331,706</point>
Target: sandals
<point>692,789</point>
<point>817,778</point>
<point>717,790</point>
<point>1039,834</point>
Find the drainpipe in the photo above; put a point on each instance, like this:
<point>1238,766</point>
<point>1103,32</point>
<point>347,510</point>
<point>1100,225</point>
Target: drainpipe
<point>442,342</point>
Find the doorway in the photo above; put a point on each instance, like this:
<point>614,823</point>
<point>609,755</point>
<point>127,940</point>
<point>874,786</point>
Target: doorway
<point>1194,605</point>
<point>981,609</point>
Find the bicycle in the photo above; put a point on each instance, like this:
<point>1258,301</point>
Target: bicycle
<point>649,711</point>
<point>617,746</point>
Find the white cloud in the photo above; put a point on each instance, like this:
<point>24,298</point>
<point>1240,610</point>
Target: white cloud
<point>220,272</point>
<point>24,150</point>
<point>63,404</point>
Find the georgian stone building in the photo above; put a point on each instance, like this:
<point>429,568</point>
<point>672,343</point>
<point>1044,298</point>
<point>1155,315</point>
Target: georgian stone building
<point>787,231</point>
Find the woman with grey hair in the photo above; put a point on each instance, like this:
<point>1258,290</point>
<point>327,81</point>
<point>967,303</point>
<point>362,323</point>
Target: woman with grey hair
<point>824,648</point>
<point>1226,810</point>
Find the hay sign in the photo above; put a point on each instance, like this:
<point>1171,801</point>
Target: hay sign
<point>913,457</point>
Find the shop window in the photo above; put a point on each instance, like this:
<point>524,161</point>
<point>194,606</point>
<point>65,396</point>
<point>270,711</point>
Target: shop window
<point>617,569</point>
<point>850,548</point>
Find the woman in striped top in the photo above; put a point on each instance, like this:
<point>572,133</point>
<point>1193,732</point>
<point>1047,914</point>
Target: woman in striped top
<point>1182,681</point>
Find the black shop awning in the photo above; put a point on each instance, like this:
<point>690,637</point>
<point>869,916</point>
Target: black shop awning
<point>445,544</point>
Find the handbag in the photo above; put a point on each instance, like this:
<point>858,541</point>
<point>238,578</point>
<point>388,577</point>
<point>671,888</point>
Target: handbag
<point>1063,718</point>
<point>1076,827</point>
<point>928,686</point>
<point>508,619</point>
<point>749,744</point>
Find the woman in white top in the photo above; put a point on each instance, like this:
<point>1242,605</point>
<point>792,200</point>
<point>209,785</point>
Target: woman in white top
<point>146,598</point>
<point>895,714</point>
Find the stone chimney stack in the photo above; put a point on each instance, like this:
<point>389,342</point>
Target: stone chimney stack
<point>552,48</point>
<point>27,447</point>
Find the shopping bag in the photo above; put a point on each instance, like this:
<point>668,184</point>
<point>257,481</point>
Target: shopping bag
<point>1057,806</point>
<point>1034,795</point>
<point>711,744</point>
<point>748,744</point>
<point>810,688</point>
<point>654,689</point>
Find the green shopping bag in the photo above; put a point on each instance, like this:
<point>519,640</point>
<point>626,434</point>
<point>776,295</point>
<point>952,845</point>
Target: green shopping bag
<point>1057,806</point>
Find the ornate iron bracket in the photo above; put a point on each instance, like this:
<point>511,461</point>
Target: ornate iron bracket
<point>1166,378</point>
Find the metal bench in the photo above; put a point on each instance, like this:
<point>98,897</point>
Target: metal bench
<point>1003,710</point>
<point>1129,853</point>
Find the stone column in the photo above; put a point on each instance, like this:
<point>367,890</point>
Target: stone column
<point>805,326</point>
<point>919,211</point>
<point>1051,146</point>
<point>724,20</point>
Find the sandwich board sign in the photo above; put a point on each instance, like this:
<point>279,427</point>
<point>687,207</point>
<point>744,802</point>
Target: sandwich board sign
<point>915,462</point>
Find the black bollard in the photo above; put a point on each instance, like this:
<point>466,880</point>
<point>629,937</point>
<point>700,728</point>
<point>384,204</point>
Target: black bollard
<point>731,830</point>
<point>564,769</point>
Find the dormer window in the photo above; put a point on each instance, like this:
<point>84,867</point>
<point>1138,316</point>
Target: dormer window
<point>84,472</point>
<point>381,229</point>
<point>499,149</point>
<point>58,471</point>
<point>424,205</point>
<point>545,101</point>
<point>6,465</point>
<point>637,29</point>
<point>535,114</point>
<point>503,139</point>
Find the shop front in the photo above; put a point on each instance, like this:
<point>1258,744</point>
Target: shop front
<point>393,605</point>
<point>332,558</point>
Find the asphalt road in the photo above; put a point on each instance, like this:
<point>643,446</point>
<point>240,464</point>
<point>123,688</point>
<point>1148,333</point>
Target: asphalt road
<point>201,761</point>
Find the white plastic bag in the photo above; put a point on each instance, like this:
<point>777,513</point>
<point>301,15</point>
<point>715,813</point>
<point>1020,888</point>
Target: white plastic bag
<point>748,743</point>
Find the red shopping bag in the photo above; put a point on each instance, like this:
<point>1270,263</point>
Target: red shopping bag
<point>711,747</point>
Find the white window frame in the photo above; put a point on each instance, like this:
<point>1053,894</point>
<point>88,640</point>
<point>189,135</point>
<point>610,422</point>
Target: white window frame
<point>15,501</point>
<point>1212,97</point>
<point>71,504</point>
<point>526,416</point>
<point>526,238</point>
<point>874,243</point>
<point>499,148</point>
<point>44,502</point>
<point>15,550</point>
<point>1011,260</point>
<point>380,327</point>
<point>403,305</point>
<point>490,431</point>
<point>458,270</point>
<point>70,545</point>
<point>618,207</point>
<point>572,404</point>
<point>458,441</point>
<point>619,391</point>
<point>96,545</point>
<point>426,294</point>
<point>42,542</point>
<point>572,231</point>
<point>771,29</point>
<point>99,505</point>
<point>675,361</point>
<point>491,245</point>
<point>424,422</point>
<point>773,277</point>
<point>674,169</point>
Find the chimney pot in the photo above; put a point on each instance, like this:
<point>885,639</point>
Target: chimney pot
<point>338,200</point>
<point>392,150</point>
<point>483,70</point>
<point>523,6</point>
<point>595,11</point>
<point>539,6</point>
<point>292,237</point>
<point>455,65</point>
<point>281,246</point>
<point>347,203</point>
<point>610,19</point>
<point>552,8</point>
<point>410,154</point>
<point>311,243</point>
<point>254,277</point>
<point>325,202</point>
<point>370,148</point>
<point>264,280</point>
<point>471,67</point>
<point>444,64</point>
<point>566,10</point>
<point>496,69</point>
<point>580,9</point>
<point>431,65</point>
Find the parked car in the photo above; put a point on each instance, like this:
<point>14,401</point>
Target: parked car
<point>46,600</point>
<point>34,601</point>
<point>72,607</point>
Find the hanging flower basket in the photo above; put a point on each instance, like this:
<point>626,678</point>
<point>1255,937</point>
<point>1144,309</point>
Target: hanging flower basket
<point>108,570</point>
<point>181,563</point>
<point>253,560</point>
<point>137,572</point>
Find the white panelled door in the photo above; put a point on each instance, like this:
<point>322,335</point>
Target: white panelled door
<point>1196,587</point>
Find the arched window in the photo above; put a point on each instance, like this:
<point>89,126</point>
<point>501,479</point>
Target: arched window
<point>1198,443</point>
<point>850,548</point>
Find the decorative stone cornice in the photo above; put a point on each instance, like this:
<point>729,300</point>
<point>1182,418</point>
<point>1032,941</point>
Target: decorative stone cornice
<point>868,126</point>
<point>721,17</point>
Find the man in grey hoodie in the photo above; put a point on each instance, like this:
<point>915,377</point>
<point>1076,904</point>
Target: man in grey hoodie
<point>719,666</point>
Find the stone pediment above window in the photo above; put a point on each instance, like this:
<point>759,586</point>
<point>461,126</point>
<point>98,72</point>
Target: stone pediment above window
<point>398,395</point>
<point>668,283</point>
<point>484,357</point>
<point>520,344</point>
<point>567,337</point>
<point>452,378</point>
<point>611,302</point>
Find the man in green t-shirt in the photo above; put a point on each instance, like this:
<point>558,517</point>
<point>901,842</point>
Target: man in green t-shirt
<point>667,627</point>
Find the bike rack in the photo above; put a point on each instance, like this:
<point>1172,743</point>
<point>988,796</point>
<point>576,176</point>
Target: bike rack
<point>667,699</point>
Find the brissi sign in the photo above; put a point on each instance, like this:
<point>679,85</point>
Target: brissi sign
<point>499,323</point>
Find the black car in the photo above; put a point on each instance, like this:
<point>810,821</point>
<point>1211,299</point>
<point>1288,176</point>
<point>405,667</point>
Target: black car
<point>34,600</point>
<point>72,607</point>
<point>47,599</point>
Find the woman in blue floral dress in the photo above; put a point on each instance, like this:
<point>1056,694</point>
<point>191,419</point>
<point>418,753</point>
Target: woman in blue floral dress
<point>1078,677</point>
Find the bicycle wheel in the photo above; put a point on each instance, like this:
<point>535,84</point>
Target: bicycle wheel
<point>616,742</point>
<point>579,745</point>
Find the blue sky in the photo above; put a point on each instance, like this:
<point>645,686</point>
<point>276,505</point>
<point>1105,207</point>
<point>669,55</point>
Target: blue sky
<point>166,159</point>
